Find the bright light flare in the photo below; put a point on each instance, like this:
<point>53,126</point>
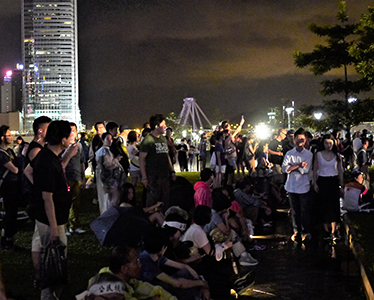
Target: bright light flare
<point>318,115</point>
<point>263,131</point>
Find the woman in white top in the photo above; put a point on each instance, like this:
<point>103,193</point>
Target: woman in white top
<point>328,181</point>
<point>108,174</point>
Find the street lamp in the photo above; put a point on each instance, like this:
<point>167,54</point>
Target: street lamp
<point>289,111</point>
<point>318,115</point>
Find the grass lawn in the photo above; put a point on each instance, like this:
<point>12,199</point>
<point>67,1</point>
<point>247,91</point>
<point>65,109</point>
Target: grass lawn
<point>85,255</point>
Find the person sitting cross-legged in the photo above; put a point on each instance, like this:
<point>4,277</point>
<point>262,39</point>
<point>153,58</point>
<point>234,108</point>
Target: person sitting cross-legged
<point>124,264</point>
<point>184,283</point>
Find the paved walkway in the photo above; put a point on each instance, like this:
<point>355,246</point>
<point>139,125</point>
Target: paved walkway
<point>288,271</point>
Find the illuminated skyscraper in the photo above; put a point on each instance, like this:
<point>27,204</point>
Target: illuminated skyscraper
<point>50,54</point>
<point>11,91</point>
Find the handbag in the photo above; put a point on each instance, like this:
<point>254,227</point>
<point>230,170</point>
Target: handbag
<point>54,267</point>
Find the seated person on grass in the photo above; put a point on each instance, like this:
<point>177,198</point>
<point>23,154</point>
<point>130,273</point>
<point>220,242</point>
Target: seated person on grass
<point>219,273</point>
<point>253,208</point>
<point>128,200</point>
<point>203,192</point>
<point>124,263</point>
<point>219,228</point>
<point>355,192</point>
<point>104,286</point>
<point>184,283</point>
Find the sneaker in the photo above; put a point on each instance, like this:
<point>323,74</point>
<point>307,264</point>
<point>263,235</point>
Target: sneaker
<point>79,231</point>
<point>306,237</point>
<point>257,248</point>
<point>296,237</point>
<point>335,236</point>
<point>247,260</point>
<point>243,283</point>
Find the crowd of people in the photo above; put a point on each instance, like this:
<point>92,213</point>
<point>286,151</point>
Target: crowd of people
<point>205,249</point>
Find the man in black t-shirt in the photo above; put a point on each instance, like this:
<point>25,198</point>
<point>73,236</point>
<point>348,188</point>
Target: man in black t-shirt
<point>276,155</point>
<point>155,164</point>
<point>53,199</point>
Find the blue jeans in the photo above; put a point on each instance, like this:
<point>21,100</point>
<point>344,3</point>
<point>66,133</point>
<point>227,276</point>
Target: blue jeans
<point>300,212</point>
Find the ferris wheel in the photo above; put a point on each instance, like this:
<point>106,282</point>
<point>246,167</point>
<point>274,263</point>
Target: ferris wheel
<point>191,110</point>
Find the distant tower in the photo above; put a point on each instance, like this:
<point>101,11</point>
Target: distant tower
<point>193,110</point>
<point>11,91</point>
<point>50,55</point>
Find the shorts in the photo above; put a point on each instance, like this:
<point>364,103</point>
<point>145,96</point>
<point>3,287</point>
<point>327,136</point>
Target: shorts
<point>35,243</point>
<point>44,233</point>
<point>135,173</point>
<point>223,169</point>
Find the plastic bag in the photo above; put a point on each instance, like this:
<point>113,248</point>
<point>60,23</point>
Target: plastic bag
<point>54,265</point>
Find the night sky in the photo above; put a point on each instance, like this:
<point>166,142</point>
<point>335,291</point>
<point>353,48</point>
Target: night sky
<point>137,58</point>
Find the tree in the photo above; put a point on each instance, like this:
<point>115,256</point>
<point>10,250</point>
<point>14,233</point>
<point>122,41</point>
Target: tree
<point>340,39</point>
<point>363,49</point>
<point>172,121</point>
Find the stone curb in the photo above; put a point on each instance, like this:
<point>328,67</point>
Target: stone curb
<point>359,254</point>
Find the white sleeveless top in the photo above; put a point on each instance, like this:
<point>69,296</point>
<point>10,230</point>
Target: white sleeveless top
<point>327,168</point>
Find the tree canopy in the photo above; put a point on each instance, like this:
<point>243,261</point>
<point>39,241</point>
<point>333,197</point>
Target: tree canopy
<point>337,53</point>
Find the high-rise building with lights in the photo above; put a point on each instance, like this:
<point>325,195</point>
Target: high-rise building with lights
<point>11,91</point>
<point>50,54</point>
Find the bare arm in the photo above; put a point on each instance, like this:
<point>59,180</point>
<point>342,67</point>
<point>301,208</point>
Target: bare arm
<point>178,265</point>
<point>315,170</point>
<point>153,207</point>
<point>33,153</point>
<point>50,211</point>
<point>11,167</point>
<point>341,174</point>
<point>219,163</point>
<point>224,228</point>
<point>142,164</point>
<point>238,129</point>
<point>181,283</point>
<point>275,152</point>
<point>69,153</point>
<point>29,171</point>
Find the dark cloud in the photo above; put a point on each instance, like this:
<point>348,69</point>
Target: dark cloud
<point>139,57</point>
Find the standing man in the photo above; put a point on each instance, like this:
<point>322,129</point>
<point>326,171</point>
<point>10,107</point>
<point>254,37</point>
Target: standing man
<point>182,155</point>
<point>40,127</point>
<point>155,164</point>
<point>202,151</point>
<point>297,164</point>
<point>171,145</point>
<point>276,155</point>
<point>76,178</point>
<point>85,148</point>
<point>96,143</point>
<point>53,200</point>
<point>9,189</point>
<point>362,161</point>
<point>289,142</point>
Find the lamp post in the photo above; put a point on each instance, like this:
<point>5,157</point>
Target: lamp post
<point>317,115</point>
<point>289,111</point>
